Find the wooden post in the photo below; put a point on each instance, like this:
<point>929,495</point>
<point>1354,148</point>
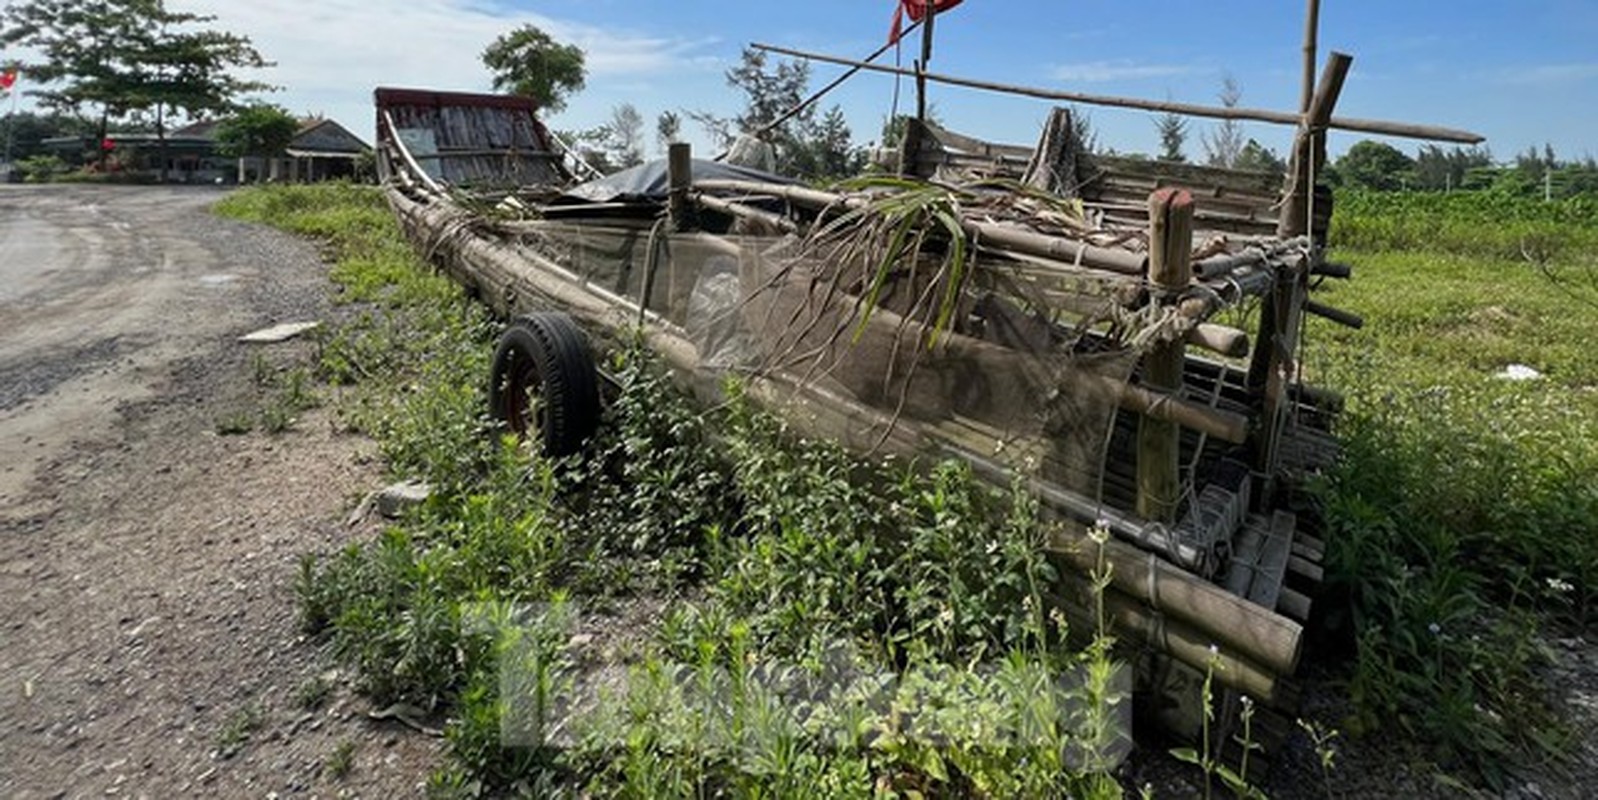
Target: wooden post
<point>1273,366</point>
<point>680,176</point>
<point>1312,27</point>
<point>1159,484</point>
<point>1309,148</point>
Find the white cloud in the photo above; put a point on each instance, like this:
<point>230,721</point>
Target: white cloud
<point>331,54</point>
<point>1546,74</point>
<point>1118,70</point>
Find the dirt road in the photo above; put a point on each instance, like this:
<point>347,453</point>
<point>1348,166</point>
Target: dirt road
<point>148,644</point>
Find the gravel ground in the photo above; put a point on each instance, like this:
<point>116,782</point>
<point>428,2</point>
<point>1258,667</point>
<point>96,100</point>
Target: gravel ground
<point>148,644</point>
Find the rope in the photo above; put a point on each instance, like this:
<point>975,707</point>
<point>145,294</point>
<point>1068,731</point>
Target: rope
<point>1153,585</point>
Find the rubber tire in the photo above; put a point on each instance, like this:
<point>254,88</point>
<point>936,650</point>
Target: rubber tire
<point>545,356</point>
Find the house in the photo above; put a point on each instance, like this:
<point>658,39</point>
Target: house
<point>189,158</point>
<point>321,150</point>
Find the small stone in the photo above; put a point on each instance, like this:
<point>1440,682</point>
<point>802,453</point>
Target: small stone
<point>393,500</point>
<point>279,333</point>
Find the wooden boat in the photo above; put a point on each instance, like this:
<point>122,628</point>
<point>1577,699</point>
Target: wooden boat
<point>1044,313</point>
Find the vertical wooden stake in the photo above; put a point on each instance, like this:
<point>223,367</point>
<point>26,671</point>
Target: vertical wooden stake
<point>923,65</point>
<point>1273,364</point>
<point>1159,478</point>
<point>680,177</point>
<point>1312,28</point>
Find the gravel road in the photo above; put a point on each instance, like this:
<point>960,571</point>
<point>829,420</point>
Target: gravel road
<point>148,621</point>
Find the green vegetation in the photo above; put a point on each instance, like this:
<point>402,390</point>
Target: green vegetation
<point>341,761</point>
<point>240,726</point>
<point>1463,521</point>
<point>738,560</point>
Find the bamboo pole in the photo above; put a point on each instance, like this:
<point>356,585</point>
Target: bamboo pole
<point>1123,262</point>
<point>931,14</point>
<point>1159,485</point>
<point>680,179</point>
<point>1309,149</point>
<point>1273,367</point>
<point>1312,27</point>
<point>822,92</point>
<point>1401,129</point>
<point>728,207</point>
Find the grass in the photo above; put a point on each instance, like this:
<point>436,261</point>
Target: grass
<point>241,725</point>
<point>1463,520</point>
<point>341,762</point>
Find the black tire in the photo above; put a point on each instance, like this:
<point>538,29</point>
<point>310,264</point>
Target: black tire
<point>544,383</point>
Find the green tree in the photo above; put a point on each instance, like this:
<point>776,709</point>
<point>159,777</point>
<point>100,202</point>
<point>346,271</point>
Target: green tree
<point>625,142</point>
<point>807,146</point>
<point>1224,145</point>
<point>826,151</point>
<point>1173,135</point>
<point>1437,169</point>
<point>260,130</point>
<point>668,129</point>
<point>1259,158</point>
<point>1374,165</point>
<point>128,57</point>
<point>25,131</point>
<point>527,62</point>
<point>769,93</point>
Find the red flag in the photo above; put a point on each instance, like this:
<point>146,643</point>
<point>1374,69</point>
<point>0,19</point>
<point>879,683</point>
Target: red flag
<point>916,9</point>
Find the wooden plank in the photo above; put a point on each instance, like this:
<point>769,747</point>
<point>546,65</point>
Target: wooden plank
<point>1272,573</point>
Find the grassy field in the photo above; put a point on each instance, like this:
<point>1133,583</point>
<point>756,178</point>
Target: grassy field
<point>1465,517</point>
<point>1462,524</point>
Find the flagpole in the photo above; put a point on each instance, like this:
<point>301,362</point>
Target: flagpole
<point>931,13</point>
<point>11,131</point>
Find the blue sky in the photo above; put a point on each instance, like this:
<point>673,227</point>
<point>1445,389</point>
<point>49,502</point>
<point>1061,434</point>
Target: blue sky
<point>1521,73</point>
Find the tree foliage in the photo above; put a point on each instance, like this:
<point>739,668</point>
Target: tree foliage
<point>529,63</point>
<point>1437,169</point>
<point>1374,165</point>
<point>129,56</point>
<point>668,129</point>
<point>259,130</point>
<point>1224,144</point>
<point>25,131</point>
<point>808,145</point>
<point>1173,135</point>
<point>1259,158</point>
<point>626,140</point>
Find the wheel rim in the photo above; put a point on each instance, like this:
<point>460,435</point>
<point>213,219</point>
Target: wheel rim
<point>523,411</point>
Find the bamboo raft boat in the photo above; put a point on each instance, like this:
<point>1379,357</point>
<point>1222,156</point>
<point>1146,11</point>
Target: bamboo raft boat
<point>1049,315</point>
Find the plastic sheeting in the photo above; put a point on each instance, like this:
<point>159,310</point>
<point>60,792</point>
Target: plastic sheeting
<point>649,182</point>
